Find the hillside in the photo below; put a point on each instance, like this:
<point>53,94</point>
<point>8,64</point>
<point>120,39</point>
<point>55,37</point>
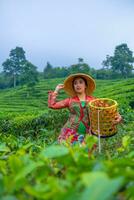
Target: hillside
<point>34,166</point>
<point>15,101</point>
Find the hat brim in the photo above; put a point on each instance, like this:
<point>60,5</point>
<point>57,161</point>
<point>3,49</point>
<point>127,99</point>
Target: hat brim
<point>68,84</point>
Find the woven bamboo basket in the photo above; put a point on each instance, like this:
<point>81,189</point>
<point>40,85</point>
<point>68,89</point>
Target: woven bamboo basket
<point>102,114</point>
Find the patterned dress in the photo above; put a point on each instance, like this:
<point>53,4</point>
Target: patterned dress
<point>78,121</point>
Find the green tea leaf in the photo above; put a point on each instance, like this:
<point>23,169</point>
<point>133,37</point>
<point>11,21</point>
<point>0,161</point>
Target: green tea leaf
<point>55,151</point>
<point>9,197</point>
<point>1,185</point>
<point>126,141</point>
<point>99,186</point>
<point>27,169</point>
<point>4,148</point>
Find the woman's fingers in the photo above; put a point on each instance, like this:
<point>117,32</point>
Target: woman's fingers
<point>59,87</point>
<point>117,119</point>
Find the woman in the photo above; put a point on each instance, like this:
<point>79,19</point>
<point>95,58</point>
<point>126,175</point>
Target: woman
<point>80,88</point>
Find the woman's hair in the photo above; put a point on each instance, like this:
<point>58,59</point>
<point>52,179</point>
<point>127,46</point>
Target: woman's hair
<point>81,78</point>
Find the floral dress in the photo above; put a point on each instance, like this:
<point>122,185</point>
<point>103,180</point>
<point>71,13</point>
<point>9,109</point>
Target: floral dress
<point>78,122</point>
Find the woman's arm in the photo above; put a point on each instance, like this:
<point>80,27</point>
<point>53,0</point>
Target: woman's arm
<point>52,103</point>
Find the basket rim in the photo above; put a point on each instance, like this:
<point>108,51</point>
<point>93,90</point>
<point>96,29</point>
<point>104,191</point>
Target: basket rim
<point>101,108</point>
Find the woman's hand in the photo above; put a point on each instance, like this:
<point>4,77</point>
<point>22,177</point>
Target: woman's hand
<point>117,119</point>
<point>59,87</point>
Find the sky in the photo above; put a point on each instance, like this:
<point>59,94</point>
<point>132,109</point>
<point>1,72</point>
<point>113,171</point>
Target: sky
<point>61,31</point>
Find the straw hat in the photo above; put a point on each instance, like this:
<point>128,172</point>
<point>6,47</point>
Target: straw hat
<point>68,84</point>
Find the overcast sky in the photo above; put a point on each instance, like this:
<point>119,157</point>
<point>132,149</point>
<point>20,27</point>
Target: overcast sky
<point>61,31</point>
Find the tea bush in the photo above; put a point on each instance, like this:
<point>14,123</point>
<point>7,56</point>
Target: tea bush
<point>32,164</point>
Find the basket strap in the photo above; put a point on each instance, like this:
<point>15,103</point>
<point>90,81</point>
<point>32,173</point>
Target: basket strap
<point>99,131</point>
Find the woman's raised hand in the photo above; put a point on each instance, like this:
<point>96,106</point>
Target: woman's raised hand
<point>59,87</point>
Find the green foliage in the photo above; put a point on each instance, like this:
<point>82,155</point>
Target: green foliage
<point>13,66</point>
<point>48,71</point>
<point>18,70</point>
<point>47,124</point>
<point>55,72</point>
<point>29,76</point>
<point>34,166</point>
<point>32,170</point>
<point>122,61</point>
<point>81,67</point>
<point>114,67</point>
<point>55,151</point>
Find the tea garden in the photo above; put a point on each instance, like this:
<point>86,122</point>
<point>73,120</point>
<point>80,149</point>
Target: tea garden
<point>34,166</point>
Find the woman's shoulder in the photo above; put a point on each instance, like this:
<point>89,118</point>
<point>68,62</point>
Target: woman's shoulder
<point>89,98</point>
<point>74,98</point>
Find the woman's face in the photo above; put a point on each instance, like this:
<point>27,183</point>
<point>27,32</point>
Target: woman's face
<point>79,85</point>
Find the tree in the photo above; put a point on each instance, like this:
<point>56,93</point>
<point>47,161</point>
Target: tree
<point>81,67</point>
<point>29,76</point>
<point>60,72</point>
<point>122,61</point>
<point>103,73</point>
<point>106,63</point>
<point>80,60</point>
<point>5,81</point>
<point>48,71</point>
<point>13,66</point>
